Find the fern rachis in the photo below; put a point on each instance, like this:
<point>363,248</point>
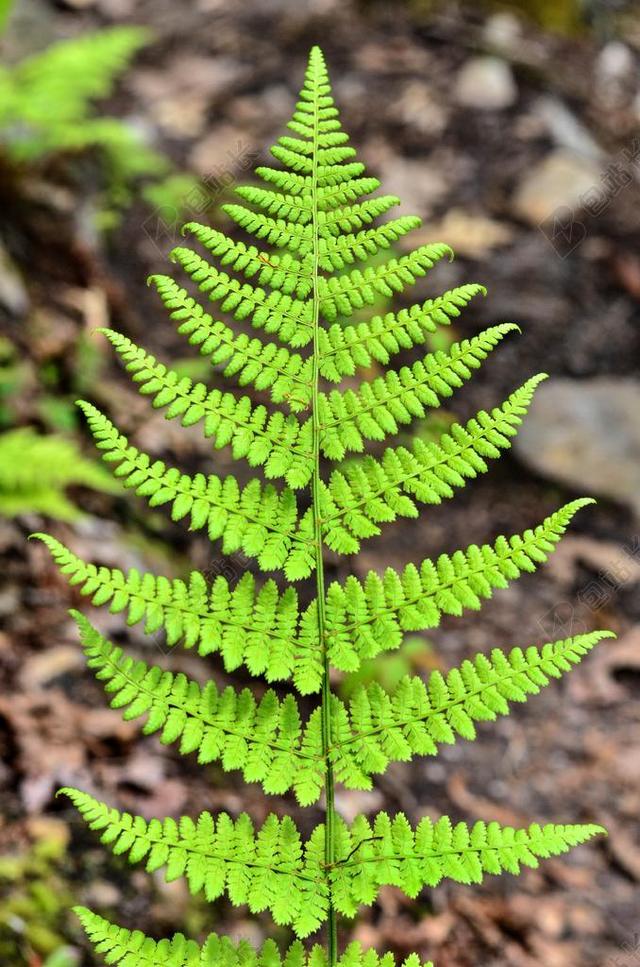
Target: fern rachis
<point>316,227</point>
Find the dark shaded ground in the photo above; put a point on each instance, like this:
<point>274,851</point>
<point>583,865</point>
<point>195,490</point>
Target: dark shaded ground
<point>214,88</point>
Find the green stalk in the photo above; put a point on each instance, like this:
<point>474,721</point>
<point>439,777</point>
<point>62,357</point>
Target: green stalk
<point>329,849</point>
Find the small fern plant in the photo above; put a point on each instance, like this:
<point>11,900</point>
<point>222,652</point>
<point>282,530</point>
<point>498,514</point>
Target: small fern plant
<point>47,108</point>
<point>300,286</point>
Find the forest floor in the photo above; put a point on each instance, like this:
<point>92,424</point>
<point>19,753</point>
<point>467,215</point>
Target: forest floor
<point>215,88</point>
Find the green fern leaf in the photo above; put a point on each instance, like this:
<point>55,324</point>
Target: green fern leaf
<point>268,869</point>
<point>280,271</point>
<point>249,626</point>
<point>260,521</point>
<point>313,220</point>
<point>364,619</point>
<point>344,349</point>
<point>378,728</point>
<point>286,376</point>
<point>130,948</point>
<point>342,295</point>
<point>388,852</point>
<point>371,492</point>
<point>380,407</point>
<point>275,441</point>
<point>260,738</point>
<point>283,315</point>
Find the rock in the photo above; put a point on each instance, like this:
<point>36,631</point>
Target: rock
<point>586,434</point>
<point>467,234</point>
<point>222,154</point>
<point>615,73</point>
<point>559,181</point>
<point>486,83</point>
<point>420,185</point>
<point>565,128</point>
<point>421,111</point>
<point>13,294</point>
<point>502,33</point>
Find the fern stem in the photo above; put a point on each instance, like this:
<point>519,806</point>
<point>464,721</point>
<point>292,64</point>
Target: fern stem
<point>329,849</point>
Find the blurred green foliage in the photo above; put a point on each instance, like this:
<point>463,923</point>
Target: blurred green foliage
<point>47,107</point>
<point>35,470</point>
<point>34,900</point>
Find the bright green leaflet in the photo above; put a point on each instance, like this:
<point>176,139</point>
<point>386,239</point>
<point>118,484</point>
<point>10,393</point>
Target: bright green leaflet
<point>298,288</point>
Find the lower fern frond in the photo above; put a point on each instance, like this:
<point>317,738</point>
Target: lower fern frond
<point>272,868</point>
<point>262,739</point>
<point>248,625</point>
<point>379,728</point>
<point>261,521</point>
<point>366,618</point>
<point>131,948</point>
<point>389,852</point>
<point>371,492</point>
<point>268,869</point>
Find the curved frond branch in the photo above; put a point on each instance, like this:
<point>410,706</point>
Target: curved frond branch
<point>131,947</point>
<point>378,409</point>
<point>261,739</point>
<point>388,852</point>
<point>342,295</point>
<point>345,349</point>
<point>260,521</point>
<point>265,869</point>
<point>250,626</point>
<point>339,251</point>
<point>277,313</point>
<point>378,728</point>
<point>364,619</point>
<point>277,270</point>
<point>372,492</point>
<point>266,366</point>
<point>273,440</point>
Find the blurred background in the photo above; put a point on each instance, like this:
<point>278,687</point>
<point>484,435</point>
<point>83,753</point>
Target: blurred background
<point>513,129</point>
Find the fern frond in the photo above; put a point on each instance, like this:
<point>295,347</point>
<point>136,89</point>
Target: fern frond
<point>297,239</point>
<point>344,349</point>
<point>283,315</point>
<point>268,869</point>
<point>260,521</point>
<point>36,470</point>
<point>131,948</point>
<point>378,408</point>
<point>278,271</point>
<point>364,619</point>
<point>371,492</point>
<point>378,728</point>
<point>249,626</point>
<point>342,295</point>
<point>286,376</point>
<point>276,441</point>
<point>272,869</point>
<point>388,852</point>
<point>262,739</point>
<point>336,252</point>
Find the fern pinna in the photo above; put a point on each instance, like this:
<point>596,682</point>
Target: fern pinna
<point>299,288</point>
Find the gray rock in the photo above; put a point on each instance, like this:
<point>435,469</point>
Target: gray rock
<point>13,294</point>
<point>560,180</point>
<point>486,83</point>
<point>566,129</point>
<point>586,434</point>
